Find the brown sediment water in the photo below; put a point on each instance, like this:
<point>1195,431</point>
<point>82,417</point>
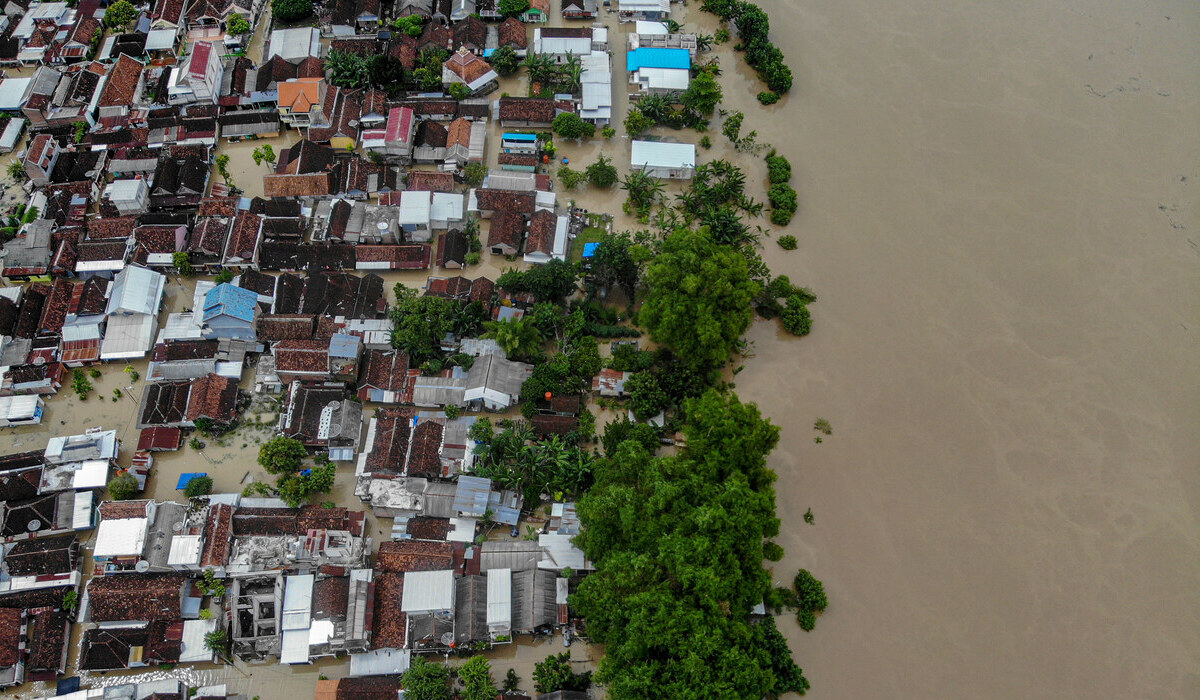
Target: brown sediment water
<point>998,211</point>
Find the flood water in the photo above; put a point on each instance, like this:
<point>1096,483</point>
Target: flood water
<point>998,212</point>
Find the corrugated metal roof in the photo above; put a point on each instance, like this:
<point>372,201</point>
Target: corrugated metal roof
<point>660,154</point>
<point>499,599</point>
<point>136,290</point>
<point>651,57</point>
<point>226,299</point>
<point>428,591</point>
<point>124,537</point>
<point>471,495</point>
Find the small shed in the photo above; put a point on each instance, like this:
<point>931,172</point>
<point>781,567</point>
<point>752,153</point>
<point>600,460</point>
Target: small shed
<point>675,161</point>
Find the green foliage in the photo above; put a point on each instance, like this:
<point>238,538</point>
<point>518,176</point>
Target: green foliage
<point>209,584</point>
<point>348,70</point>
<point>702,94</point>
<point>425,680</point>
<point>81,128</point>
<point>551,282</point>
<point>281,455</point>
<point>264,153</point>
<point>706,142</point>
<point>291,10</point>
<point>216,641</point>
<point>788,242</point>
<point>644,191</point>
<point>16,170</point>
<point>258,488</point>
<point>768,98</point>
<point>608,132</point>
<point>481,431</point>
<point>518,337</point>
<point>422,322</point>
<point>225,275</point>
<point>779,169</point>
<point>602,173</point>
<point>410,25</point>
<point>721,36</point>
<point>80,384</point>
<point>627,358</point>
<point>513,8</point>
<point>810,599</point>
<point>70,601</point>
<point>451,411</point>
<point>237,25</point>
<point>133,373</point>
<point>732,127</point>
<point>297,489</point>
<point>119,14</point>
<point>182,260</point>
<point>646,395</point>
<point>618,431</point>
<point>821,425</point>
<point>554,673</point>
<point>795,317</point>
<point>512,682</point>
<point>199,486</point>
<point>222,162</point>
<point>459,91</point>
<point>783,203</point>
<point>474,173</point>
<point>505,60</point>
<point>387,73</point>
<point>549,466</point>
<point>123,487</point>
<point>473,258</point>
<point>789,678</point>
<point>570,126</point>
<point>195,444</point>
<point>637,122</point>
<point>570,177</point>
<point>428,74</point>
<point>809,517</point>
<point>476,677</point>
<point>698,302</point>
<point>678,547</point>
<point>772,551</point>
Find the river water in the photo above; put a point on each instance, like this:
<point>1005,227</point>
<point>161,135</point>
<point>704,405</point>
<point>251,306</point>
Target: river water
<point>998,211</point>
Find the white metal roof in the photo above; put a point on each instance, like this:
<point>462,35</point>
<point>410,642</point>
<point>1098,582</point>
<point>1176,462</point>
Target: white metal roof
<point>126,190</point>
<point>136,290</point>
<point>427,591</point>
<point>121,538</point>
<point>185,550</point>
<point>659,154</point>
<point>651,28</point>
<point>297,602</point>
<point>561,45</point>
<point>463,530</point>
<point>18,407</point>
<point>295,44</point>
<point>295,647</point>
<point>12,132</point>
<point>415,207</point>
<point>13,92</point>
<point>665,78</point>
<point>160,39</point>
<point>81,513</point>
<point>194,650</point>
<point>92,474</point>
<point>380,662</point>
<point>499,597</point>
<point>127,337</point>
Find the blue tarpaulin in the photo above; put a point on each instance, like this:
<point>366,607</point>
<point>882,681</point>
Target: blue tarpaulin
<point>589,249</point>
<point>185,478</point>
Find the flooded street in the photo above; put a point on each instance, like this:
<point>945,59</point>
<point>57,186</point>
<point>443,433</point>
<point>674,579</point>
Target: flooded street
<point>998,211</point>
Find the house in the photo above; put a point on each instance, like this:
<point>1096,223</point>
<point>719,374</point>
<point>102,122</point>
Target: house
<point>178,404</point>
<point>547,238</point>
<point>136,598</point>
<point>132,312</point>
<point>318,414</point>
<point>325,616</point>
<point>414,215</point>
<point>675,161</point>
<point>120,88</point>
<point>514,142</point>
<point>657,35</point>
<point>471,70</point>
<point>384,377</point>
<point>595,106</point>
<point>649,10</point>
<point>494,383</point>
<point>21,410</point>
<point>301,101</point>
<point>395,140</point>
<point>659,71</point>
<point>338,121</point>
<point>259,123</point>
<point>29,254</point>
<point>301,359</point>
<point>79,40</point>
<point>452,250</point>
<point>580,9</point>
<point>430,145</point>
<point>295,44</point>
<point>130,197</point>
<point>198,77</point>
<point>538,12</point>
<point>79,462</point>
<point>611,383</point>
<point>431,180</point>
<point>132,532</point>
<point>505,234</point>
<point>465,141</point>
<point>40,158</point>
<point>488,201</point>
<point>559,43</point>
<point>526,112</point>
<point>180,180</point>
<point>230,312</point>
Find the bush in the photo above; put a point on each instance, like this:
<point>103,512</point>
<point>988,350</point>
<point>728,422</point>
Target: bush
<point>795,316</point>
<point>119,14</point>
<point>705,141</point>
<point>459,91</point>
<point>123,487</point>
<point>291,10</point>
<point>281,454</point>
<point>607,132</point>
<point>602,173</point>
<point>779,169</point>
<point>199,486</point>
<point>555,674</point>
<point>768,98</point>
<point>772,551</point>
<point>570,177</point>
<point>570,126</point>
<point>788,242</point>
<point>783,203</point>
<point>473,258</point>
<point>238,25</point>
<point>474,173</point>
<point>451,411</point>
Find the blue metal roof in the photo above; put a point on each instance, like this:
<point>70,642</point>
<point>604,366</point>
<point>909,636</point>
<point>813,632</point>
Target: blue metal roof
<point>343,345</point>
<point>647,57</point>
<point>509,136</point>
<point>226,299</point>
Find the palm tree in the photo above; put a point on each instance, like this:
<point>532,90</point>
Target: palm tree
<point>656,107</point>
<point>704,42</point>
<point>518,337</point>
<point>643,190</point>
<point>540,67</point>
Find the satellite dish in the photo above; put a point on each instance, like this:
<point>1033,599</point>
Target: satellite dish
<point>34,525</point>
<point>177,527</point>
<point>142,566</point>
<point>39,361</point>
<point>447,639</point>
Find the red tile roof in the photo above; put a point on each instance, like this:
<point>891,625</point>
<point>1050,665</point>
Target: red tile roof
<point>301,356</point>
<point>511,201</point>
<point>159,438</point>
<point>213,397</point>
<point>122,83</point>
<point>506,229</point>
<point>541,232</point>
<point>400,556</point>
<point>119,597</point>
<point>432,181</point>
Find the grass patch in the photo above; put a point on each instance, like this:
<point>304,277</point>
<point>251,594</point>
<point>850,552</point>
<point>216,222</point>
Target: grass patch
<point>590,234</point>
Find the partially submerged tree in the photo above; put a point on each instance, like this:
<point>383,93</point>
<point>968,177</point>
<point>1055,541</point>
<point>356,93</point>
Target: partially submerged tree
<point>123,486</point>
<point>281,454</point>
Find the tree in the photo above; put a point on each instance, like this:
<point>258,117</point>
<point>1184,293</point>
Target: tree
<point>264,153</point>
<point>182,260</point>
<point>552,282</point>
<point>198,486</point>
<point>789,678</point>
<point>474,173</point>
<point>698,301</point>
<point>505,60</point>
<point>788,242</point>
<point>348,70</point>
<point>644,190</point>
<point>602,173</point>
<point>783,203</point>
<point>223,167</point>
<point>570,177</point>
<point>297,489</point>
<point>422,322</point>
<point>410,24</point>
<point>119,14</point>
<point>795,316</point>
<point>636,122</point>
<point>225,275</point>
<point>216,640</point>
<point>513,8</point>
<point>237,25</point>
<point>779,169</point>
<point>702,94</point>
<point>613,263</point>
<point>570,126</point>
<point>281,454</point>
<point>16,170</point>
<point>123,486</point>
<point>387,72</point>
<point>554,673</point>
<point>476,677</point>
<point>518,337</point>
<point>459,91</point>
<point>646,396</point>
<point>425,680</point>
<point>291,10</point>
<point>732,127</point>
<point>618,431</point>
<point>512,682</point>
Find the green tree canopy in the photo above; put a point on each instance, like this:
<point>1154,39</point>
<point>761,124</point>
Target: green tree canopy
<point>513,8</point>
<point>123,487</point>
<point>602,173</point>
<point>348,70</point>
<point>554,281</point>
<point>119,14</point>
<point>505,60</point>
<point>297,489</point>
<point>237,25</point>
<point>422,322</point>
<point>409,24</point>
<point>425,680</point>
<point>476,677</point>
<point>198,486</point>
<point>698,298</point>
<point>702,94</point>
<point>291,10</point>
<point>518,337</point>
<point>554,673</point>
<point>281,454</point>
<point>570,126</point>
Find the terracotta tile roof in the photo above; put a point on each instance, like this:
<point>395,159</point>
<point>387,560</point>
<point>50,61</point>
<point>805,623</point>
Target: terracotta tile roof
<point>435,108</point>
<point>426,528</point>
<point>452,247</point>
<point>425,457</point>
<point>120,227</point>
<point>374,101</point>
<point>510,201</point>
<point>300,94</point>
<point>527,109</point>
<point>393,427</point>
<point>185,350</point>
<point>431,134</point>
<point>85,28</point>
<point>467,65</point>
<point>217,206</point>
<point>404,49</point>
<point>400,556</point>
<point>118,597</point>
<point>56,306</point>
<point>47,640</point>
<point>553,425</point>
<point>431,181</point>
<point>357,46</point>
<point>168,10</point>
<point>159,439</point>
<point>122,83</point>
<point>390,628</point>
<point>277,327</point>
<point>434,35</point>
<point>154,239</point>
<point>330,597</point>
<point>513,33</point>
<point>11,628</point>
<point>399,257</point>
<point>311,185</point>
<point>208,235</point>
<point>506,229</point>
<point>257,282</point>
<point>122,510</point>
<point>243,237</point>
<point>301,356</point>
<point>541,232</point>
<point>218,529</point>
<point>214,397</point>
<point>319,518</point>
<point>522,159</point>
<point>264,522</point>
<point>36,557</point>
<point>384,369</point>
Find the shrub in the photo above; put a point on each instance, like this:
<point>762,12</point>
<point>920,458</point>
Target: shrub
<point>788,242</point>
<point>607,132</point>
<point>291,10</point>
<point>473,258</point>
<point>705,141</point>
<point>570,177</point>
<point>555,674</point>
<point>795,316</point>
<point>123,487</point>
<point>779,169</point>
<point>783,203</point>
<point>281,454</point>
<point>459,91</point>
<point>94,373</point>
<point>451,411</point>
<point>768,98</point>
<point>238,25</point>
<point>570,126</point>
<point>602,173</point>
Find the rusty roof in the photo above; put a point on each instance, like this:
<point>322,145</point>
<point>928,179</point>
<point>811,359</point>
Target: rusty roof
<point>423,527</point>
<point>11,629</point>
<point>301,356</point>
<point>541,232</point>
<point>122,83</point>
<point>214,397</point>
<point>392,431</point>
<point>511,201</point>
<point>275,327</point>
<point>507,228</point>
<point>400,556</point>
<point>384,369</point>
<point>218,529</point>
<point>513,33</point>
<point>433,181</point>
<point>119,597</point>
<point>425,457</point>
<point>390,628</point>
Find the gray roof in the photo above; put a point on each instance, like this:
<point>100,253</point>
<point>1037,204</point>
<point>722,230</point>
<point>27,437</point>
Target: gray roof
<point>518,555</point>
<point>533,605</point>
<point>471,496</point>
<point>32,249</point>
<point>470,609</point>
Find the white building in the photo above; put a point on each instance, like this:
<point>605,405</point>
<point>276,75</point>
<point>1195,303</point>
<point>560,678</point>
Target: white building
<point>21,410</point>
<point>416,208</point>
<point>132,312</point>
<point>199,78</point>
<point>294,44</point>
<point>129,196</point>
<point>675,161</point>
<point>597,101</point>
